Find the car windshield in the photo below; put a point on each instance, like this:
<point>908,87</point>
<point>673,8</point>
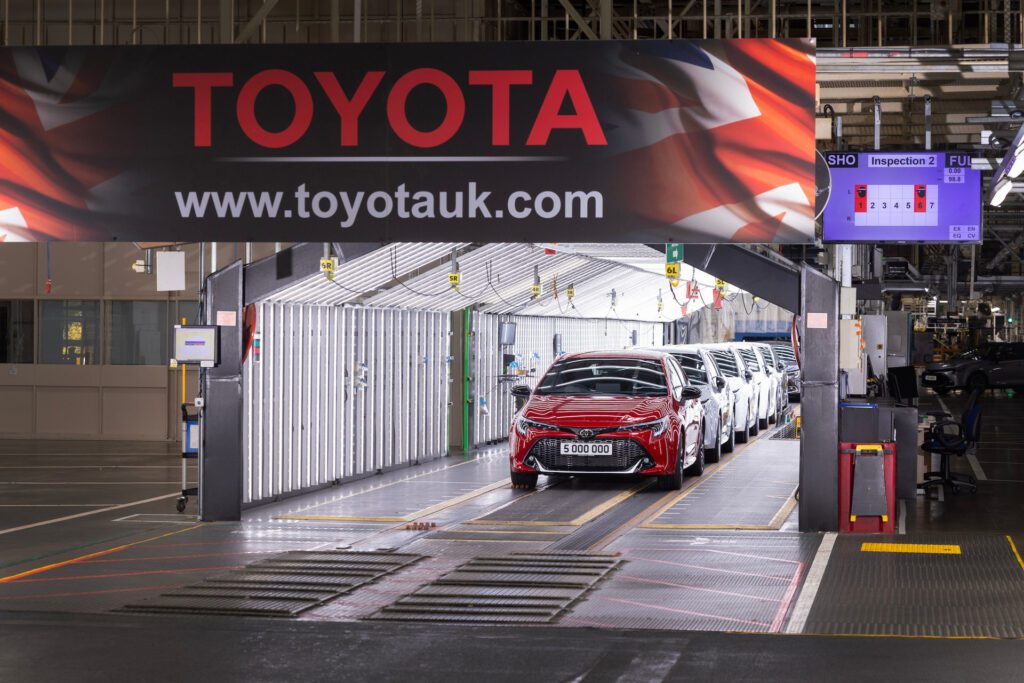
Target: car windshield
<point>726,362</point>
<point>694,367</point>
<point>751,360</point>
<point>785,352</point>
<point>971,354</point>
<point>605,376</point>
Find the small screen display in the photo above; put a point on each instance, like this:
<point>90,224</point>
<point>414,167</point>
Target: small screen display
<point>903,197</point>
<point>195,345</point>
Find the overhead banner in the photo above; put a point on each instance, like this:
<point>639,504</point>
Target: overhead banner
<point>643,141</point>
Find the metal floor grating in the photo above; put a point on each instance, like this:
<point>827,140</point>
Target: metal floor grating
<point>280,586</point>
<point>786,431</point>
<point>911,592</point>
<point>515,588</point>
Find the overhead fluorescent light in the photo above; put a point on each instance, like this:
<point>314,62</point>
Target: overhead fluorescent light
<point>1017,165</point>
<point>1002,189</point>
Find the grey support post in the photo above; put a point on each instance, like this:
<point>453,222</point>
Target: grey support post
<point>819,402</point>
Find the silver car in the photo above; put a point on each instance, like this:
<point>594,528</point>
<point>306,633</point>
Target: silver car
<point>763,385</point>
<point>740,382</point>
<point>995,365</point>
<point>778,370</point>
<point>716,396</point>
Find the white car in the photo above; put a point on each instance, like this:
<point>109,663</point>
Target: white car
<point>716,397</point>
<point>762,382</point>
<point>744,407</point>
<point>771,358</point>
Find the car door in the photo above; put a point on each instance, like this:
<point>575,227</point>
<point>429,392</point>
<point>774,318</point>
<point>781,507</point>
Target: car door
<point>723,395</point>
<point>1008,370</point>
<point>691,426</point>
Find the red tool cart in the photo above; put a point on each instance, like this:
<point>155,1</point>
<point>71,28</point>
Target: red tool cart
<point>867,487</point>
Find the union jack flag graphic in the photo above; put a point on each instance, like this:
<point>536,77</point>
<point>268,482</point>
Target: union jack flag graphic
<point>64,149</point>
<point>712,137</point>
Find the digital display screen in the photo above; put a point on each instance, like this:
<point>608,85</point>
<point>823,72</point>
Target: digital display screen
<point>195,345</point>
<point>903,197</point>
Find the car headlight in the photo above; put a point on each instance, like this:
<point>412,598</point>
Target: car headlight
<point>523,425</point>
<point>657,427</point>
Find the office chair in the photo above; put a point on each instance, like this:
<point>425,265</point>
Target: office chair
<point>942,439</point>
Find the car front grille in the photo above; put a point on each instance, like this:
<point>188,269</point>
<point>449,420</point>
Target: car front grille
<point>625,454</point>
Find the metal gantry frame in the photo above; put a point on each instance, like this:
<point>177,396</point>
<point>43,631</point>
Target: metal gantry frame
<point>841,23</point>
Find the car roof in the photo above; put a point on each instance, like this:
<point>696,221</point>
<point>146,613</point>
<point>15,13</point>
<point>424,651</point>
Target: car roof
<point>637,354</point>
<point>680,348</point>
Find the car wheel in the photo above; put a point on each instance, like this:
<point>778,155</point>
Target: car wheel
<point>674,481</point>
<point>755,428</point>
<point>977,381</point>
<point>524,480</point>
<point>730,445</point>
<point>762,424</point>
<point>715,454</point>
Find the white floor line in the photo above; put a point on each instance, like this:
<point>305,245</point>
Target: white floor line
<point>95,467</point>
<point>87,514</point>
<point>93,483</point>
<point>979,473</point>
<point>903,518</point>
<point>811,584</point>
<point>55,505</point>
<point>650,666</point>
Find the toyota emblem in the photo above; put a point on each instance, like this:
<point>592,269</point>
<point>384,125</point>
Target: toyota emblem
<point>586,433</point>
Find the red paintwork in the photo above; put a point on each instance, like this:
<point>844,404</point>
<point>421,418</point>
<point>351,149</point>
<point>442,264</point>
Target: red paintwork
<point>613,411</point>
<point>866,524</point>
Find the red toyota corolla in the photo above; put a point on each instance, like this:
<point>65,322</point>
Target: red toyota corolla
<point>609,412</point>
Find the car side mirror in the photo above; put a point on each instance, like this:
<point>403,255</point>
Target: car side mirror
<point>522,391</point>
<point>781,366</point>
<point>690,393</point>
<point>748,375</point>
<point>720,383</point>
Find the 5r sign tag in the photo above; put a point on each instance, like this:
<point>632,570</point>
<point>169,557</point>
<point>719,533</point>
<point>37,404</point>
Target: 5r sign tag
<point>327,266</point>
<point>454,279</point>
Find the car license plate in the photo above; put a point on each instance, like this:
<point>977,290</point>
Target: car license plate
<point>585,448</point>
<point>930,378</point>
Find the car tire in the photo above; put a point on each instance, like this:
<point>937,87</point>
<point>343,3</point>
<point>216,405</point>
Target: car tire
<point>762,424</point>
<point>742,435</point>
<point>674,481</point>
<point>524,480</point>
<point>710,455</point>
<point>730,445</point>
<point>755,428</point>
<point>977,381</point>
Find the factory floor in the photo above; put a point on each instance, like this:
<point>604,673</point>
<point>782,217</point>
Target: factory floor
<point>582,579</point>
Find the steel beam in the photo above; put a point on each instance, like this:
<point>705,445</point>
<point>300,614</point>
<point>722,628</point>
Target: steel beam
<point>257,18</point>
<point>772,280</point>
<point>225,21</point>
<point>578,18</point>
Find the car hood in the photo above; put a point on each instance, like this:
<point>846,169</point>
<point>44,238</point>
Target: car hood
<point>596,411</point>
<point>939,367</point>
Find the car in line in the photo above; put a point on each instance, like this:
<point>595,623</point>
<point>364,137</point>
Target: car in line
<point>762,381</point>
<point>784,351</point>
<point>609,412</point>
<point>778,372</point>
<point>740,383</point>
<point>716,397</point>
<point>997,365</point>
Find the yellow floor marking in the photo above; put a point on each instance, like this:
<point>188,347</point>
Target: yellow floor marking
<point>683,494</point>
<point>579,521</point>
<point>928,548</point>
<point>56,565</point>
<point>407,518</point>
<point>1013,546</point>
<point>774,525</point>
<point>504,531</point>
<point>393,483</point>
<point>333,518</point>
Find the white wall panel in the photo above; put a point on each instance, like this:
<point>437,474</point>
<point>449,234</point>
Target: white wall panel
<point>341,392</point>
